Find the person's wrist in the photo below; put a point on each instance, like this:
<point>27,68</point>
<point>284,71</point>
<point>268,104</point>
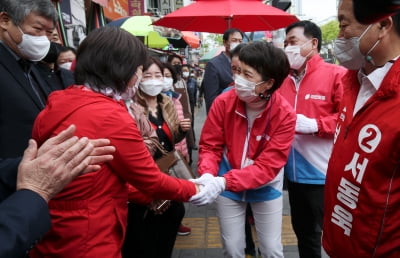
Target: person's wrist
<point>41,193</point>
<point>222,182</point>
<point>197,188</point>
<point>314,125</point>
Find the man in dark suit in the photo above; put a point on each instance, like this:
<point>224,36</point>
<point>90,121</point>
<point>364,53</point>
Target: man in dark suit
<point>218,75</point>
<point>24,26</point>
<point>42,173</point>
<point>24,215</point>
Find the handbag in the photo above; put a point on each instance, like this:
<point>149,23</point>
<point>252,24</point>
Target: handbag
<point>174,164</point>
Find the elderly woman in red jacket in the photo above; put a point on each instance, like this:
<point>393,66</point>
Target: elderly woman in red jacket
<point>89,215</point>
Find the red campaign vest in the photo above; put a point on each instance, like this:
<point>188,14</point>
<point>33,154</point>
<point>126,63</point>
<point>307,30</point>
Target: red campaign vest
<point>362,191</point>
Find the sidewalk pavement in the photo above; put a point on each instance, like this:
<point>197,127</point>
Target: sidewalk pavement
<point>204,241</point>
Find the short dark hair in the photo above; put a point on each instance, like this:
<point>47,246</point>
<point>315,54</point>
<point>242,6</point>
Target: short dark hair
<point>66,49</point>
<point>236,50</point>
<point>170,57</point>
<point>153,60</point>
<point>311,30</point>
<point>396,22</point>
<point>229,32</point>
<point>269,61</point>
<point>109,57</point>
<point>172,71</point>
<point>187,65</point>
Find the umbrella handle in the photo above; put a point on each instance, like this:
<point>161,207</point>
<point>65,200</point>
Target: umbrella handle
<point>228,21</point>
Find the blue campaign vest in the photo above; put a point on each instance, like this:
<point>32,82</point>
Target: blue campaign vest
<point>264,193</point>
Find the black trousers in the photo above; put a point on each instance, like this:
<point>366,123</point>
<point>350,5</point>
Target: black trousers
<point>306,208</point>
<point>149,235</point>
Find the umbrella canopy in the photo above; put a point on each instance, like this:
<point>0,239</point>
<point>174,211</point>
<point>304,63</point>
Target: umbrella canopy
<point>212,53</point>
<point>141,27</point>
<point>188,39</point>
<point>191,39</point>
<point>216,16</point>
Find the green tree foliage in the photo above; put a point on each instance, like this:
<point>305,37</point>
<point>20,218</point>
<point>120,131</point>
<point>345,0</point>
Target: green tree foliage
<point>211,41</point>
<point>216,38</point>
<point>329,31</point>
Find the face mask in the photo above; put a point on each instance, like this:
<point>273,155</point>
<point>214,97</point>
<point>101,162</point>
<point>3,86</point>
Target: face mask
<point>131,91</point>
<point>246,89</point>
<point>232,46</point>
<point>178,69</point>
<point>34,48</point>
<point>185,74</point>
<point>66,65</point>
<point>347,52</point>
<point>296,60</point>
<point>152,87</point>
<point>52,55</point>
<point>167,84</point>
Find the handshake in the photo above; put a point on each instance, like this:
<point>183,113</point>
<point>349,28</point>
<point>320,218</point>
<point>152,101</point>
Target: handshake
<point>210,187</point>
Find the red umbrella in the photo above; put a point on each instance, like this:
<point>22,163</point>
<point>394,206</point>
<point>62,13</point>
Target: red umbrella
<point>216,16</point>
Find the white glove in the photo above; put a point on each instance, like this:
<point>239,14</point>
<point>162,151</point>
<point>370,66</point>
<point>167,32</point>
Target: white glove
<point>203,179</point>
<point>212,187</point>
<point>305,125</point>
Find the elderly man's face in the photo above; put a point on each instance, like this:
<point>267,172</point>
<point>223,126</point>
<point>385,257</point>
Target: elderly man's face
<point>33,24</point>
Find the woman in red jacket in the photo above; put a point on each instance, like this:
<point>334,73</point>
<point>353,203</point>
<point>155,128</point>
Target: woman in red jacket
<point>244,143</point>
<point>89,215</point>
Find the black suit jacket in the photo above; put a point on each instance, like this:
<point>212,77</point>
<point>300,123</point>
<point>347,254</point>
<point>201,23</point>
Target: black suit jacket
<point>57,79</point>
<point>24,215</point>
<point>19,105</point>
<point>8,177</point>
<point>24,219</point>
<point>217,76</point>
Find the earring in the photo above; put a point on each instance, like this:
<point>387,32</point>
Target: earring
<point>265,97</point>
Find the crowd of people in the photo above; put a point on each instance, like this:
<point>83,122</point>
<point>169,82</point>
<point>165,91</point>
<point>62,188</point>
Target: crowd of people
<point>81,137</point>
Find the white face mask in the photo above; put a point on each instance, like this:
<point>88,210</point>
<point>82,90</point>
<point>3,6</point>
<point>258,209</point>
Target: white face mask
<point>66,65</point>
<point>131,91</point>
<point>233,45</point>
<point>347,52</point>
<point>167,84</point>
<point>185,74</point>
<point>295,58</point>
<point>34,48</point>
<point>246,89</point>
<point>152,87</point>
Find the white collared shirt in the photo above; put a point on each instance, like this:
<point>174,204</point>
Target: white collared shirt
<point>370,84</point>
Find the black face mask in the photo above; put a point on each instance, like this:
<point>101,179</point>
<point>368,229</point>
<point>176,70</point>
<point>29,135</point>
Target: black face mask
<point>178,69</point>
<point>53,53</point>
